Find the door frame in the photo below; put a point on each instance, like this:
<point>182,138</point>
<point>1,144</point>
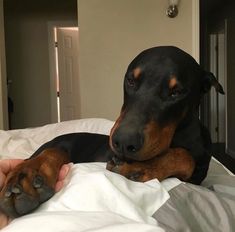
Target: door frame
<point>218,106</point>
<point>196,30</point>
<point>228,150</point>
<point>4,124</point>
<point>52,63</point>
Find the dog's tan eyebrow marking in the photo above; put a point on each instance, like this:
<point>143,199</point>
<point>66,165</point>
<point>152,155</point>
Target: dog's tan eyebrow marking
<point>136,72</point>
<point>172,82</point>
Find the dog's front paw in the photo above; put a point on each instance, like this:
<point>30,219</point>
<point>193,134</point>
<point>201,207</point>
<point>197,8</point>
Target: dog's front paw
<point>135,171</point>
<point>25,188</point>
<point>138,176</point>
<point>30,184</point>
<point>114,164</point>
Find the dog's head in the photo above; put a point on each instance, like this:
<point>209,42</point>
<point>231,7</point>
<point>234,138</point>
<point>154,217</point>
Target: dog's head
<point>162,86</point>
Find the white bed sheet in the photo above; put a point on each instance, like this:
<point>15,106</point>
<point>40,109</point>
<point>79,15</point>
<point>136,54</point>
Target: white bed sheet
<point>93,199</point>
<point>22,143</point>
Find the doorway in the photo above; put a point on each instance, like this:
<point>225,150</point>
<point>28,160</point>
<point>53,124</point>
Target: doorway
<point>217,55</point>
<point>63,48</point>
<point>217,101</point>
<point>27,56</point>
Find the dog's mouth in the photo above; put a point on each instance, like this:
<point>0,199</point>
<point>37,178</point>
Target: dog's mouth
<point>155,141</point>
<point>147,152</point>
<point>119,160</point>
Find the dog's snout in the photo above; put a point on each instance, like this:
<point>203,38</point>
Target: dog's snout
<point>126,144</point>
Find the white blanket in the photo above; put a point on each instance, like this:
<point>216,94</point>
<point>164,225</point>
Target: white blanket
<point>93,199</point>
<point>96,199</point>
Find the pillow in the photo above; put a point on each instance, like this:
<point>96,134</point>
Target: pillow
<point>23,142</point>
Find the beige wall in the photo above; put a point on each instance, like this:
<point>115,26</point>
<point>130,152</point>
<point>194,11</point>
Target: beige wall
<point>112,33</point>
<point>3,84</point>
<point>28,68</point>
<point>26,26</point>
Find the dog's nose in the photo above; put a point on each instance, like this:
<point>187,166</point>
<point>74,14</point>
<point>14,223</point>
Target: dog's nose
<point>126,143</point>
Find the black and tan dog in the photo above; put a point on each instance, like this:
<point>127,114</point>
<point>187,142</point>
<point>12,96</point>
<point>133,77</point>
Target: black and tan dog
<point>157,135</point>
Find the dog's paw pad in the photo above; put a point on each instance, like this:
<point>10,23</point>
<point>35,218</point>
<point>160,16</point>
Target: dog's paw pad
<point>38,181</point>
<point>25,189</point>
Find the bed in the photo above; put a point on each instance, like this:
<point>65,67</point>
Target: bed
<point>94,199</point>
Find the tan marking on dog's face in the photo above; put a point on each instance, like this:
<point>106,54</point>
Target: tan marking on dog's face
<point>157,140</point>
<point>115,126</point>
<point>173,82</point>
<point>136,72</point>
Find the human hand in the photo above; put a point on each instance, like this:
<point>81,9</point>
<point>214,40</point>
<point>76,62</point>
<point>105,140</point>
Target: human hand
<point>8,165</point>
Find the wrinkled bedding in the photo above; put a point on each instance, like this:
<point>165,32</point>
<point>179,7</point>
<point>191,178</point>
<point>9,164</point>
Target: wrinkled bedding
<point>94,199</point>
<point>199,209</point>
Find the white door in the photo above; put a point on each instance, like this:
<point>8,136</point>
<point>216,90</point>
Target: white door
<point>67,39</point>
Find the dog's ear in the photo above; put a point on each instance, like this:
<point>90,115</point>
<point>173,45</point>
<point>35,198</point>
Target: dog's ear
<point>209,80</point>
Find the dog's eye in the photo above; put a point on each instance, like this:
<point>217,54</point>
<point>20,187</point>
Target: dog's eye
<point>131,82</point>
<point>175,92</point>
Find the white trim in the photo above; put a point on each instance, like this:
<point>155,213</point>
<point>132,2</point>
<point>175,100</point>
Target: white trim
<point>213,104</point>
<point>51,40</point>
<point>226,87</point>
<point>196,30</point>
<point>221,78</point>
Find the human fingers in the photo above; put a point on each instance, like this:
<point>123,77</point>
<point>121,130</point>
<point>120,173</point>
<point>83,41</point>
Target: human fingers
<point>64,171</point>
<point>62,174</point>
<point>4,220</point>
<point>7,165</point>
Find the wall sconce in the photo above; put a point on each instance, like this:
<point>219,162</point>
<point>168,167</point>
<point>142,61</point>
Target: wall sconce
<point>172,10</point>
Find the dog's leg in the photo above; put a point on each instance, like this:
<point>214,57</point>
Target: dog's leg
<point>175,162</point>
<point>31,182</point>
